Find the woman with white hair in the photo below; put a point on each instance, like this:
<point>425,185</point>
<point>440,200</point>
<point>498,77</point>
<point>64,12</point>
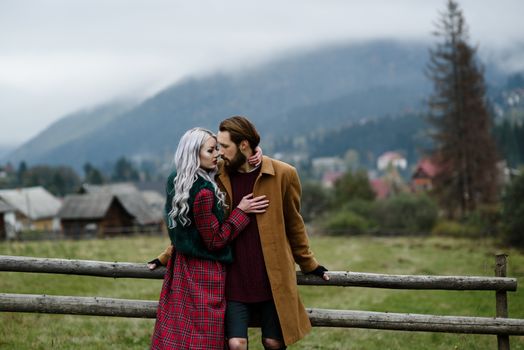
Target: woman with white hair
<point>192,304</point>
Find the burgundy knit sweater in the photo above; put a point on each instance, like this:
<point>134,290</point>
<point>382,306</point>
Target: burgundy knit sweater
<point>247,279</point>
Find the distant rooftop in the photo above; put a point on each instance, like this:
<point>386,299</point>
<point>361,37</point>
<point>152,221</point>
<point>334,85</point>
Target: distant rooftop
<point>114,188</point>
<point>4,207</point>
<point>33,202</point>
<point>95,206</point>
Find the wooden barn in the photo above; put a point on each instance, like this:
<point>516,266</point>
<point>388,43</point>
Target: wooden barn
<point>35,208</point>
<point>106,214</point>
<point>5,226</point>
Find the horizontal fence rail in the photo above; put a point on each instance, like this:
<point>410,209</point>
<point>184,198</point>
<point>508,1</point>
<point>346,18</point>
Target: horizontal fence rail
<point>337,278</point>
<point>96,306</point>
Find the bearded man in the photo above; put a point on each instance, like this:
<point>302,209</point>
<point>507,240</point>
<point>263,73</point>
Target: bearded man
<point>261,282</point>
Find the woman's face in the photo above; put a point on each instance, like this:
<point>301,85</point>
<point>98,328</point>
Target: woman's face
<point>209,154</point>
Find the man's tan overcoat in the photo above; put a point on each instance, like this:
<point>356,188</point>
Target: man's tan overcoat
<point>284,241</point>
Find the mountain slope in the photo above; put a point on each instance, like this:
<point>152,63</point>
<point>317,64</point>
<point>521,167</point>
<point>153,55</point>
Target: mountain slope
<point>68,129</point>
<point>327,86</point>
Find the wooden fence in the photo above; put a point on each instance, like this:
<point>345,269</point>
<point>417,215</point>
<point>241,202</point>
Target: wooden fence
<point>501,325</point>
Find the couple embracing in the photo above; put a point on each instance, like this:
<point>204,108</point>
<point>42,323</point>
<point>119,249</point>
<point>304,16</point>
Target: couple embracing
<point>236,233</point>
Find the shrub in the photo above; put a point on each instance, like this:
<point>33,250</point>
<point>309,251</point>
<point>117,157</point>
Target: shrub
<point>352,185</point>
<point>486,219</point>
<point>364,208</point>
<point>407,212</point>
<point>513,212</point>
<point>315,200</point>
<point>345,221</point>
<point>455,229</point>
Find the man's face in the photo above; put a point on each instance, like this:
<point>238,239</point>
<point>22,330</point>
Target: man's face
<point>228,150</point>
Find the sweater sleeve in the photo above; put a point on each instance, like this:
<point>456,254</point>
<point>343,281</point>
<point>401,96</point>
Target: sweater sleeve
<point>215,235</point>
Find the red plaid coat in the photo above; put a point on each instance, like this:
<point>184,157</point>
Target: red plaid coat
<point>191,308</point>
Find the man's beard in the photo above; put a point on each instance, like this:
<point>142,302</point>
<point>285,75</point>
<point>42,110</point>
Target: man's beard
<point>234,164</point>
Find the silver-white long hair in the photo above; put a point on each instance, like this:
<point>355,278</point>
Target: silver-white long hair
<point>187,165</point>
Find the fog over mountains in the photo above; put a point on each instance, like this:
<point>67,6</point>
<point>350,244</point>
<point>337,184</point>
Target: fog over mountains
<point>324,88</point>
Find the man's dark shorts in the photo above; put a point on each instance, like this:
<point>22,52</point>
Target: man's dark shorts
<point>240,315</point>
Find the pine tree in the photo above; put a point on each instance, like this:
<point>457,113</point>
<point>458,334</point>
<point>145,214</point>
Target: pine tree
<point>124,171</point>
<point>92,175</point>
<point>465,150</point>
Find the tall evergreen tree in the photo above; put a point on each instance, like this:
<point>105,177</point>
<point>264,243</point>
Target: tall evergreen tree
<point>464,147</point>
<point>124,171</point>
<point>352,185</point>
<point>59,180</point>
<point>20,173</point>
<point>92,175</point>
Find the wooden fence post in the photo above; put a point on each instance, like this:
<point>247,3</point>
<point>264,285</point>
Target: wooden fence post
<point>502,299</point>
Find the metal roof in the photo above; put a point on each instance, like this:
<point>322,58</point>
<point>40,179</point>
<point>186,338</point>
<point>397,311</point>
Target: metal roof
<point>4,207</point>
<point>136,205</point>
<point>156,202</point>
<point>86,206</point>
<point>95,206</point>
<point>115,188</point>
<point>33,202</point>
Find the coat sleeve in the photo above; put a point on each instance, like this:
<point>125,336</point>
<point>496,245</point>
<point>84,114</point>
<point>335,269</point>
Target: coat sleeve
<point>215,235</point>
<point>295,227</point>
<point>165,255</point>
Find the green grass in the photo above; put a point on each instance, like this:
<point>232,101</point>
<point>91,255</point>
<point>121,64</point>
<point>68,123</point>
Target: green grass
<point>436,256</point>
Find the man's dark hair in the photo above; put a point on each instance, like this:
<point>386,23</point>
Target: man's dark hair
<point>240,128</point>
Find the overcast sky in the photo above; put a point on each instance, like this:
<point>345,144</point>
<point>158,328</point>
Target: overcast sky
<point>60,56</point>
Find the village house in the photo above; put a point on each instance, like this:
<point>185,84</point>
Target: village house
<point>154,194</point>
<point>150,192</point>
<point>34,208</point>
<point>7,214</point>
<point>391,183</point>
<point>112,209</point>
<point>155,201</point>
<point>322,164</point>
<point>328,170</point>
<point>391,159</point>
<point>107,214</point>
<point>380,187</point>
<point>330,177</point>
<point>114,188</point>
<point>423,175</point>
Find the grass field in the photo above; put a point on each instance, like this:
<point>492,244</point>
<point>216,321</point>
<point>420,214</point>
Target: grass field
<point>434,256</point>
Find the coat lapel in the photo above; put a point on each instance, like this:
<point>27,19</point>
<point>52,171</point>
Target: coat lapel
<point>267,166</point>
